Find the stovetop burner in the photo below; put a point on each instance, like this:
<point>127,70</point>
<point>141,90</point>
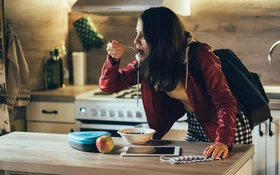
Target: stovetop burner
<point>128,93</point>
<point>102,93</point>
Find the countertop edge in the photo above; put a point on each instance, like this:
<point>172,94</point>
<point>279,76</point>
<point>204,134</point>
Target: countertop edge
<point>67,94</point>
<point>52,98</point>
<point>274,104</point>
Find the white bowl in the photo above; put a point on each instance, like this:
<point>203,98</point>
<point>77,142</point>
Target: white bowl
<point>136,136</point>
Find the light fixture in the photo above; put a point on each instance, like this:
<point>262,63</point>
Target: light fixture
<point>180,7</point>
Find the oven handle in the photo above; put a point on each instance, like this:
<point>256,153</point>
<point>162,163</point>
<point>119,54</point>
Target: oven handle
<point>102,126</point>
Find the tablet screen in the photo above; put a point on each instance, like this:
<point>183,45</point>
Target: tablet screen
<point>151,151</point>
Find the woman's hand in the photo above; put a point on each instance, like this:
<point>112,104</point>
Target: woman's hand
<point>115,49</point>
<point>217,150</point>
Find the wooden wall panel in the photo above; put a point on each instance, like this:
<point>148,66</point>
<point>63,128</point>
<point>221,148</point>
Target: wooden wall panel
<point>248,27</point>
<point>120,28</point>
<point>40,26</point>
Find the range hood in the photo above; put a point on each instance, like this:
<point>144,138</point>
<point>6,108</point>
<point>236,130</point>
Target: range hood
<point>115,7</point>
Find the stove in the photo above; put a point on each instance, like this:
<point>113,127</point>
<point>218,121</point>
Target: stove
<point>97,110</point>
<point>100,111</point>
<point>122,106</point>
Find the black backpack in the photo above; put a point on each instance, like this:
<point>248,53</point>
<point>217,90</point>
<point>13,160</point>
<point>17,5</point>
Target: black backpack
<point>244,85</point>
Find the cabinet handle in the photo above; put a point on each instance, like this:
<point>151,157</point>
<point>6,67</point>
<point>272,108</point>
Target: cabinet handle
<point>270,133</point>
<point>260,130</point>
<point>49,112</point>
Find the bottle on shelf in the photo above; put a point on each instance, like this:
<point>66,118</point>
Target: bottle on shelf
<point>54,71</point>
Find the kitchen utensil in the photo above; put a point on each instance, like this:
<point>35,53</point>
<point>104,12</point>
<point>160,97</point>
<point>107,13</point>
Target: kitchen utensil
<point>136,136</point>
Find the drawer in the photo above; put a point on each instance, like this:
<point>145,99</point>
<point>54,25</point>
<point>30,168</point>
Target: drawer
<point>58,128</point>
<point>51,112</point>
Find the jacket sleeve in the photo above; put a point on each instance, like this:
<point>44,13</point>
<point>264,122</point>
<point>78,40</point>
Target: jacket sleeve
<point>220,94</point>
<point>113,79</point>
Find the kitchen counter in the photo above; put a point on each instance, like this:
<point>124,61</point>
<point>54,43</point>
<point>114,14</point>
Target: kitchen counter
<point>66,94</point>
<point>272,92</point>
<point>51,154</point>
<point>70,91</point>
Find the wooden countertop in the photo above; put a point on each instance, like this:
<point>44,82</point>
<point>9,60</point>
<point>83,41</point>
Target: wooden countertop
<point>66,94</point>
<point>272,92</point>
<point>52,154</point>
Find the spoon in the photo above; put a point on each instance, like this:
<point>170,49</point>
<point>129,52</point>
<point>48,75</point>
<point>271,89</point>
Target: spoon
<point>137,57</point>
<point>130,47</point>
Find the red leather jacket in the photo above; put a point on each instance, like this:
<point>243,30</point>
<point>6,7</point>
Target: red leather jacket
<point>215,108</point>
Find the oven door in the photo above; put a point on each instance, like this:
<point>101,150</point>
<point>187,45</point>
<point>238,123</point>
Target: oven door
<point>111,127</point>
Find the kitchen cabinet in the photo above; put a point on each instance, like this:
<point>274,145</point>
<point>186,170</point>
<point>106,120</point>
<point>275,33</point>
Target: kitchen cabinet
<point>50,117</point>
<point>267,153</point>
<point>53,111</point>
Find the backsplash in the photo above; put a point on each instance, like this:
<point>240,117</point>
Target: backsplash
<point>41,26</point>
<point>248,27</point>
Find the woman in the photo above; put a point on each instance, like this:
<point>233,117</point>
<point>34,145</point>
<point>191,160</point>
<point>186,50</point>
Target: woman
<point>169,89</point>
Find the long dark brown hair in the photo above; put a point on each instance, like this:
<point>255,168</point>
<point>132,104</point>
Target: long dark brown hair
<point>167,40</point>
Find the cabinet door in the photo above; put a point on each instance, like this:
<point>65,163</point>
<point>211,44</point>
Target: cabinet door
<point>272,145</point>
<point>266,158</point>
<point>259,158</point>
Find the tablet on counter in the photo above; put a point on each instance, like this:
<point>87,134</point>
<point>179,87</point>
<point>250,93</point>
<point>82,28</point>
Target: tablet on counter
<point>150,151</point>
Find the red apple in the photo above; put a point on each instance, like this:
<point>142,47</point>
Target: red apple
<point>104,144</point>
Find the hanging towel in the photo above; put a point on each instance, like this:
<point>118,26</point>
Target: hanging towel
<point>18,91</point>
